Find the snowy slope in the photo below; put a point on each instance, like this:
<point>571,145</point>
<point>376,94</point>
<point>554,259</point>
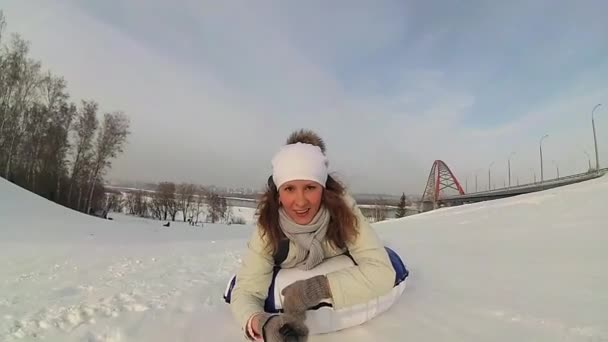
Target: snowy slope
<point>528,268</point>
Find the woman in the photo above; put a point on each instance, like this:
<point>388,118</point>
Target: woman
<point>313,211</point>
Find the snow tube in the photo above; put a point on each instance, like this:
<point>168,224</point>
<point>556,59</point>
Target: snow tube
<point>323,318</point>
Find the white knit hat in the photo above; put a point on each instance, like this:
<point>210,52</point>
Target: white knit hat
<point>299,162</point>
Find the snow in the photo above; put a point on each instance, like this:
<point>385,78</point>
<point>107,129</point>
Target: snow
<point>247,214</point>
<point>530,268</point>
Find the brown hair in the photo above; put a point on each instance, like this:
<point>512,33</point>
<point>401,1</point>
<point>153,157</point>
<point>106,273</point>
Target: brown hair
<point>342,222</point>
<point>306,137</point>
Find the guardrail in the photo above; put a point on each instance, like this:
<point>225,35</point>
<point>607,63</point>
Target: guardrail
<point>540,185</point>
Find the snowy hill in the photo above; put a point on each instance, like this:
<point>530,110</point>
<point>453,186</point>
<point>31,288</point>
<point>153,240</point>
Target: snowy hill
<point>528,268</point>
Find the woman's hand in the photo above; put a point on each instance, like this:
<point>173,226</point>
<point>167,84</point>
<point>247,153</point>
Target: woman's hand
<point>280,328</point>
<point>255,324</point>
<point>304,294</point>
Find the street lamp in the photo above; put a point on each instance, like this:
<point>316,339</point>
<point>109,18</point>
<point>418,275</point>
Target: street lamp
<point>556,167</point>
<point>597,158</point>
<point>533,173</point>
<point>589,160</point>
<point>490,176</point>
<point>541,156</point>
<point>509,163</point>
<point>476,178</point>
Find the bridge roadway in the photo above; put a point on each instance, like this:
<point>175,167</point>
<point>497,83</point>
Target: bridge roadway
<point>251,202</point>
<point>518,190</point>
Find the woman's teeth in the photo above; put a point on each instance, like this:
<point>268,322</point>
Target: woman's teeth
<point>302,212</point>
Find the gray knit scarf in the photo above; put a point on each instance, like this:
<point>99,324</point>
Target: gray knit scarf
<point>307,238</point>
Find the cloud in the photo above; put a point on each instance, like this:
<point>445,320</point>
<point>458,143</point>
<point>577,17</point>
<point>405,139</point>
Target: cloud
<point>213,88</point>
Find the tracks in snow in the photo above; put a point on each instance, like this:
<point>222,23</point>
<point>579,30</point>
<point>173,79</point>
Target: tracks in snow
<point>86,290</point>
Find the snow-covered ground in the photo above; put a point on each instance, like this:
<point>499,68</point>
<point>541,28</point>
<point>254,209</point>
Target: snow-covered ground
<point>247,214</point>
<point>528,268</point>
<point>236,212</point>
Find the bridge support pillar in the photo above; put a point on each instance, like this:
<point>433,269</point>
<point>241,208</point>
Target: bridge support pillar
<point>428,206</point>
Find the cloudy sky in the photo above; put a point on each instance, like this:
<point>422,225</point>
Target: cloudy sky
<point>213,88</point>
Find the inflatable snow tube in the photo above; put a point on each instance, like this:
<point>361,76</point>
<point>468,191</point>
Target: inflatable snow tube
<point>323,318</point>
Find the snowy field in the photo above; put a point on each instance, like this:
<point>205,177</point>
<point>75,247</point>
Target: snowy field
<point>247,214</point>
<point>528,268</point>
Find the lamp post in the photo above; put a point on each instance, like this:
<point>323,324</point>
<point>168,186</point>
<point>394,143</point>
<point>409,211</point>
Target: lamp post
<point>490,176</point>
<point>541,157</point>
<point>533,173</point>
<point>556,167</point>
<point>588,160</point>
<point>509,166</point>
<point>597,158</point>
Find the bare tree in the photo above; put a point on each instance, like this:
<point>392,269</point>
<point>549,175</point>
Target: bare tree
<point>379,213</point>
<point>217,206</point>
<point>36,125</point>
<point>2,25</point>
<point>111,139</point>
<point>131,202</point>
<point>40,159</point>
<point>173,209</point>
<point>82,181</point>
<point>136,203</point>
<point>165,200</point>
<point>226,210</point>
<point>17,94</point>
<point>185,198</point>
<point>84,128</point>
<point>198,206</point>
<point>114,202</point>
<point>157,209</point>
<point>34,118</point>
<point>213,206</point>
<point>54,161</point>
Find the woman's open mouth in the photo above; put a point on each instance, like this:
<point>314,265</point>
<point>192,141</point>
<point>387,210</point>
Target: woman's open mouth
<point>302,213</point>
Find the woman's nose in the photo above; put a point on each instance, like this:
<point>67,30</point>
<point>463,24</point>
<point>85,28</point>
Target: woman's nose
<point>301,199</point>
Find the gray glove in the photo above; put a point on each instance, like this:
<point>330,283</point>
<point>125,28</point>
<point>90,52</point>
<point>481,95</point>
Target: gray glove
<point>282,328</point>
<point>304,294</point>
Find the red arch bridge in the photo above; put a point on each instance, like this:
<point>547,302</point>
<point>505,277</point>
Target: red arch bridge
<point>443,188</point>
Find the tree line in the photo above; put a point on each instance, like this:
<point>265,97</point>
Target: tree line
<point>380,209</point>
<point>48,144</point>
<point>190,201</point>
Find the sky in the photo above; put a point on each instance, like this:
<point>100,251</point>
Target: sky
<point>214,88</point>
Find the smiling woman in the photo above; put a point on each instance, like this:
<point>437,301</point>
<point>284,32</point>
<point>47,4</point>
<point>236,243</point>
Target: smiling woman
<point>301,200</point>
<point>314,263</point>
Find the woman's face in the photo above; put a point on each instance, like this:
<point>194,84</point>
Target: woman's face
<point>301,199</point>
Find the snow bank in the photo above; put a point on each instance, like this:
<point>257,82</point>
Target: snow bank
<point>527,268</point>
